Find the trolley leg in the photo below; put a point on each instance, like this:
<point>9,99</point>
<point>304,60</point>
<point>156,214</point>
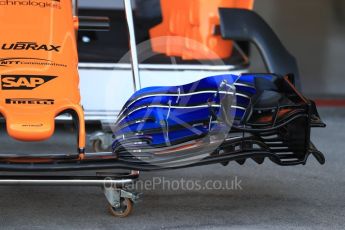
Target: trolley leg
<point>120,199</point>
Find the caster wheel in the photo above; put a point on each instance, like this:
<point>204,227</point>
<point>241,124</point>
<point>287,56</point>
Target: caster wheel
<point>124,210</point>
<point>97,146</point>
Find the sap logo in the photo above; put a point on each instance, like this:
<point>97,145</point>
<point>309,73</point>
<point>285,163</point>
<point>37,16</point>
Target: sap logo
<point>30,46</point>
<point>23,82</point>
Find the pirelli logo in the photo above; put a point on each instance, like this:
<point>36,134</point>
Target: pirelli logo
<point>29,101</point>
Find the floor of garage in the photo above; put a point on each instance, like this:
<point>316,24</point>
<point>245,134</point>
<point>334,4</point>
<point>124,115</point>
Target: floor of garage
<point>303,197</point>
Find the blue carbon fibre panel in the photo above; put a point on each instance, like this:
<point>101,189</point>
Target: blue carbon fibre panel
<point>172,113</point>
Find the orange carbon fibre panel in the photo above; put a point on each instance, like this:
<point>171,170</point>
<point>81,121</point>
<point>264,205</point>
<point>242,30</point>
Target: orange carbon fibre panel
<point>38,67</point>
<point>188,27</point>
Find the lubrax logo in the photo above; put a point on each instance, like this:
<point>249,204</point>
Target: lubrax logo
<point>24,82</point>
<point>42,4</point>
<point>30,46</point>
<point>25,101</point>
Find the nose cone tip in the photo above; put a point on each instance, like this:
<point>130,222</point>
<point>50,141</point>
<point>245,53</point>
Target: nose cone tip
<point>30,132</point>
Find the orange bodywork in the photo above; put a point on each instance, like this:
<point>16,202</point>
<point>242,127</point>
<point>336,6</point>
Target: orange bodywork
<point>38,68</point>
<point>188,29</point>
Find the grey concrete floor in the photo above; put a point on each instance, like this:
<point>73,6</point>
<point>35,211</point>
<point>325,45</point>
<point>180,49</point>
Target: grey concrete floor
<point>272,197</point>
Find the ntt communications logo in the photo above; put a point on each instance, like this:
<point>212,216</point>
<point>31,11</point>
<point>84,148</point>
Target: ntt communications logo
<point>31,3</point>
